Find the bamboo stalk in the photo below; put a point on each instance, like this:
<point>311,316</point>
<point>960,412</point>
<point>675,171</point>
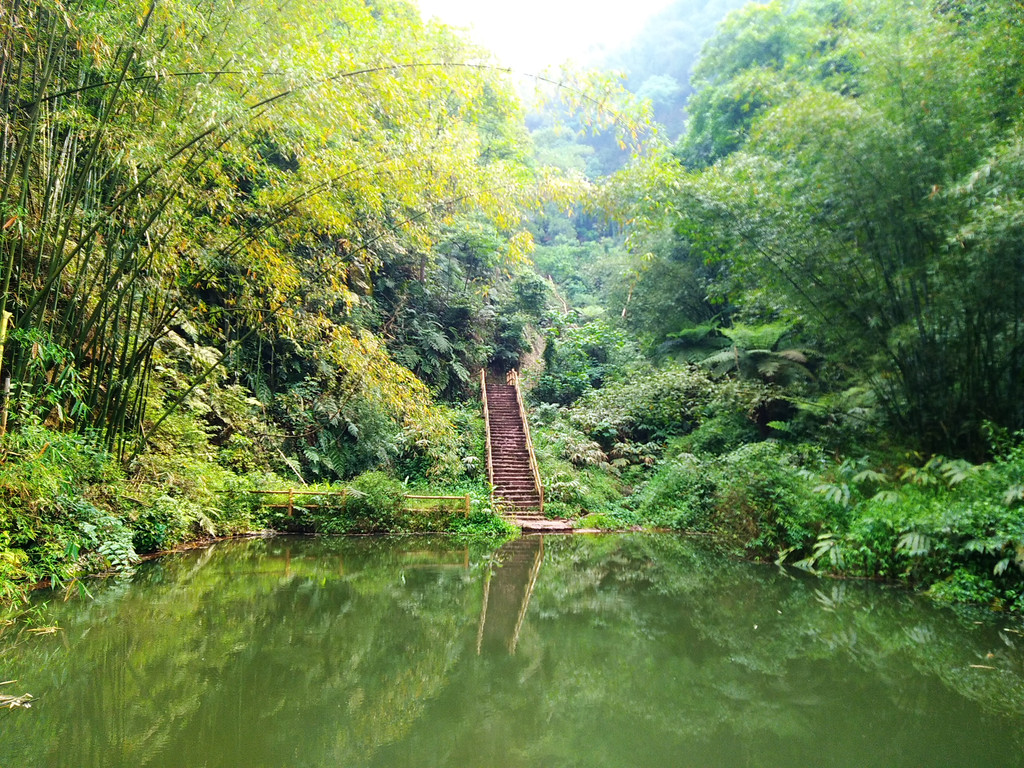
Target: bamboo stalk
<point>4,319</point>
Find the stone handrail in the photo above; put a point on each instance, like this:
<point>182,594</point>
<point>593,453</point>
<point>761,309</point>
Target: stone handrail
<point>487,432</point>
<point>513,379</point>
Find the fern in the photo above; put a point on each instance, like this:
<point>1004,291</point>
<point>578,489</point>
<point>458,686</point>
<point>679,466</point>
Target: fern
<point>829,544</point>
<point>915,544</point>
<point>334,459</point>
<point>955,471</point>
<point>838,493</point>
<point>869,475</point>
<point>886,497</point>
<point>765,336</point>
<point>206,523</point>
<point>1013,495</point>
<point>460,371</point>
<point>434,339</point>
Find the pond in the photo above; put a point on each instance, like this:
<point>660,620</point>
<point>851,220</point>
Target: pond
<point>618,650</point>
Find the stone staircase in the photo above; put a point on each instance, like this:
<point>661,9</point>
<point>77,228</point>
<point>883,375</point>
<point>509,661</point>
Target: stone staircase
<point>513,477</point>
<point>516,488</point>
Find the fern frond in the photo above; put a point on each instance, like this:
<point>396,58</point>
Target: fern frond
<point>915,544</point>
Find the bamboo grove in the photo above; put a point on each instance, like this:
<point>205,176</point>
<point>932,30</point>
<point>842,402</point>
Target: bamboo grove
<point>234,169</point>
<point>852,169</point>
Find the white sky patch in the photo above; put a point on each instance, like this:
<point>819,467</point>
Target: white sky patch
<point>529,35</point>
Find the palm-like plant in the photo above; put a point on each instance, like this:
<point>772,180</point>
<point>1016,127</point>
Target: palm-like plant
<point>747,351</point>
<point>755,353</point>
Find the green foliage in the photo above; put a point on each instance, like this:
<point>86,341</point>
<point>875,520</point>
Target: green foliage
<point>109,538</point>
<point>47,518</point>
<point>12,569</point>
<point>376,502</point>
<point>150,196</point>
<point>945,525</point>
<point>510,342</point>
<point>580,358</point>
<point>649,404</point>
<point>67,506</point>
<point>171,520</point>
<point>752,497</point>
<point>866,230</point>
<point>608,521</point>
<point>485,524</point>
<point>723,432</point>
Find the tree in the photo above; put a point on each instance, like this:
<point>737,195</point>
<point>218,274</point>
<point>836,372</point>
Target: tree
<point>854,202</point>
<point>243,175</point>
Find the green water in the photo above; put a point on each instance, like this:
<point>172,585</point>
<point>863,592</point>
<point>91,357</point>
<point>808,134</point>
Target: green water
<point>636,650</point>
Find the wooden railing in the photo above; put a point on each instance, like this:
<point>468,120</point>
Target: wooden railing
<point>291,493</point>
<point>513,379</point>
<point>487,433</point>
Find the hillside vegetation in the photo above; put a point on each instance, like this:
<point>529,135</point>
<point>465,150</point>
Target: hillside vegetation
<point>273,249</point>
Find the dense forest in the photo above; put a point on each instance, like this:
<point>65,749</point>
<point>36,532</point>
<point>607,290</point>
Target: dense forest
<point>253,249</point>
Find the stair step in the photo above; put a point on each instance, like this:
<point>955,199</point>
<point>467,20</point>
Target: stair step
<point>511,471</point>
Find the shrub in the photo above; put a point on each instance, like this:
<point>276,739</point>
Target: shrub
<point>484,523</point>
<point>617,520</point>
<point>578,359</point>
<point>376,503</point>
<point>171,520</point>
<point>753,497</point>
<point>652,404</point>
<point>948,525</point>
<point>12,568</point>
<point>723,432</point>
<point>678,496</point>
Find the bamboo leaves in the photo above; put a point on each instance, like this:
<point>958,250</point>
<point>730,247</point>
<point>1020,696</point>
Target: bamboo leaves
<point>250,173</point>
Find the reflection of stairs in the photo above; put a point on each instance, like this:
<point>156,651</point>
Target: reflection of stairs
<point>512,477</point>
<point>507,592</point>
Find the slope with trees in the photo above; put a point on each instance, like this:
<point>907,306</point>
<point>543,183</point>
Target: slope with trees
<point>242,249</point>
<point>826,270</point>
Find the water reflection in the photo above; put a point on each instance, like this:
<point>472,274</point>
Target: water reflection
<point>508,585</point>
<point>614,650</point>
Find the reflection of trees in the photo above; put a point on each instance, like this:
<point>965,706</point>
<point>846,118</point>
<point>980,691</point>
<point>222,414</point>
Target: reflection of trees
<point>633,650</point>
<point>643,650</point>
<point>332,654</point>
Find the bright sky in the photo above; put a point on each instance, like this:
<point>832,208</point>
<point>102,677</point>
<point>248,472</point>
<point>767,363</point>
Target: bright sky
<point>530,35</point>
